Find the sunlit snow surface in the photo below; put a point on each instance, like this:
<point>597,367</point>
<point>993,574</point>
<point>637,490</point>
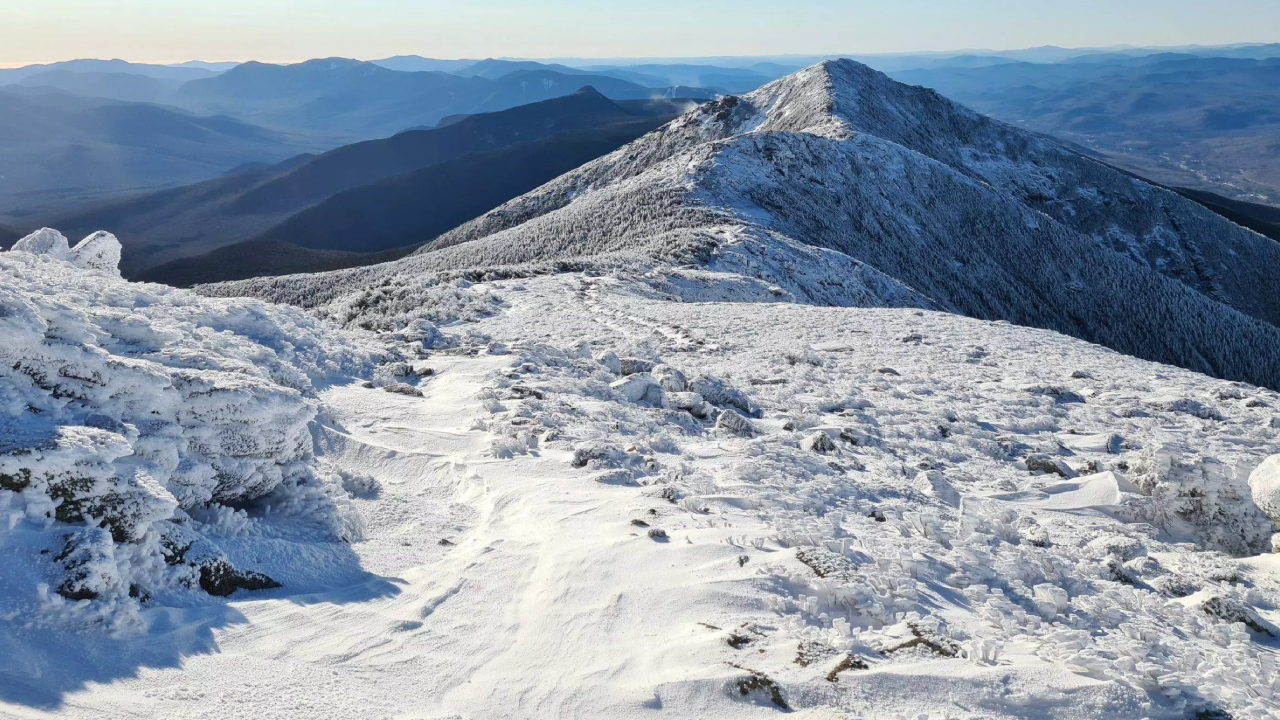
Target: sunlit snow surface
<point>863,539</point>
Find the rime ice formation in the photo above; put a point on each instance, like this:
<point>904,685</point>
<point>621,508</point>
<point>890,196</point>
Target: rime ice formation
<point>99,251</point>
<point>45,241</point>
<point>127,408</point>
<point>1264,483</point>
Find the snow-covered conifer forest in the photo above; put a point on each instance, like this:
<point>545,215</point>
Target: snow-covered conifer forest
<point>835,400</point>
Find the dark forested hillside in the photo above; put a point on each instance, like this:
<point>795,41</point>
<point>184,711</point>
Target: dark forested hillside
<point>415,207</point>
<point>257,258</point>
<point>192,220</point>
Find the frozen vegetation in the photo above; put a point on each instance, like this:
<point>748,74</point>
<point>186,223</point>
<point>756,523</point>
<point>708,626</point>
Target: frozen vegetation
<point>699,431</point>
<point>140,424</point>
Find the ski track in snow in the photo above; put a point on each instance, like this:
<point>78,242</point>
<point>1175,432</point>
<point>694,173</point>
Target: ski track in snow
<point>549,603</point>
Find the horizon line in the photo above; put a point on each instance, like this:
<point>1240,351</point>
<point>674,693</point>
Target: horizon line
<point>13,65</point>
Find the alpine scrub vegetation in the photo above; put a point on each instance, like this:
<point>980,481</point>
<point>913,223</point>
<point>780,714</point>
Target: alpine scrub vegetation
<point>133,414</point>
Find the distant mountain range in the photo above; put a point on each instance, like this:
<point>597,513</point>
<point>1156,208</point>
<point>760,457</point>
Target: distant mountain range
<point>838,186</point>
<point>56,147</point>
<point>1184,116</point>
<point>163,72</point>
<point>91,129</point>
<point>1210,123</point>
<point>348,100</point>
<point>159,227</point>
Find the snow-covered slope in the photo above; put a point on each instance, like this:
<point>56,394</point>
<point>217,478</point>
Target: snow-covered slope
<point>900,186</point>
<point>732,510</point>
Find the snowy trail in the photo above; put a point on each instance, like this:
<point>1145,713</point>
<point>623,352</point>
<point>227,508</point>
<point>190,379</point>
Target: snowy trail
<point>923,560</point>
<point>549,604</point>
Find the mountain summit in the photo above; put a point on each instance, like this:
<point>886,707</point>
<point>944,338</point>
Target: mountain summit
<point>839,186</point>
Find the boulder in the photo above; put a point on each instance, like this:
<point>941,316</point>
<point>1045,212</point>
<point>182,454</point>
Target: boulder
<point>932,482</point>
<point>639,388</point>
<point>734,423</point>
<point>671,379</point>
<point>1044,464</point>
<point>99,251</point>
<point>631,366</point>
<point>45,241</point>
<point>688,401</point>
<point>819,442</point>
<point>714,391</point>
<point>1264,485</point>
<point>609,359</point>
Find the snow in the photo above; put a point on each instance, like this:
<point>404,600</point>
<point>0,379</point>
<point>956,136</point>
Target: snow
<point>688,457</point>
<point>496,515</point>
<point>1264,483</point>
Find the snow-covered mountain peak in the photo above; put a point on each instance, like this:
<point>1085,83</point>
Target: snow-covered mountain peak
<point>839,98</point>
<point>959,211</point>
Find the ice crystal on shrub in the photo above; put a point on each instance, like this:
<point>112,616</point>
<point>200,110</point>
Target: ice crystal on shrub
<point>126,407</point>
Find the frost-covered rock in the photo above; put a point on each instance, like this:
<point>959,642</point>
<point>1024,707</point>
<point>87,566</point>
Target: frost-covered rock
<point>1040,463</point>
<point>609,359</point>
<point>735,423</point>
<point>633,365</point>
<point>89,565</point>
<point>690,402</point>
<point>934,483</point>
<point>819,442</point>
<point>99,251</point>
<point>671,379</point>
<point>716,392</point>
<point>1187,406</point>
<point>1108,443</point>
<point>639,388</point>
<point>45,241</point>
<point>1264,485</point>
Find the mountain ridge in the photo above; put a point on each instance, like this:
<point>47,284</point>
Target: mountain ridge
<point>350,100</point>
<point>982,218</point>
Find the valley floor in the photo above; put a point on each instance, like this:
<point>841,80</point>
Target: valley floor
<point>928,516</point>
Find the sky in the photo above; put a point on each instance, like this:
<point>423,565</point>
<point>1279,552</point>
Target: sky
<point>34,31</point>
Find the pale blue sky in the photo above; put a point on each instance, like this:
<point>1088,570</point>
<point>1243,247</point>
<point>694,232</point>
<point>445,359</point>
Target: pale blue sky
<point>288,30</point>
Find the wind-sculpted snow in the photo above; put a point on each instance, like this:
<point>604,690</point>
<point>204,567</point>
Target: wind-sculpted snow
<point>976,216</point>
<point>938,495</point>
<point>127,411</point>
